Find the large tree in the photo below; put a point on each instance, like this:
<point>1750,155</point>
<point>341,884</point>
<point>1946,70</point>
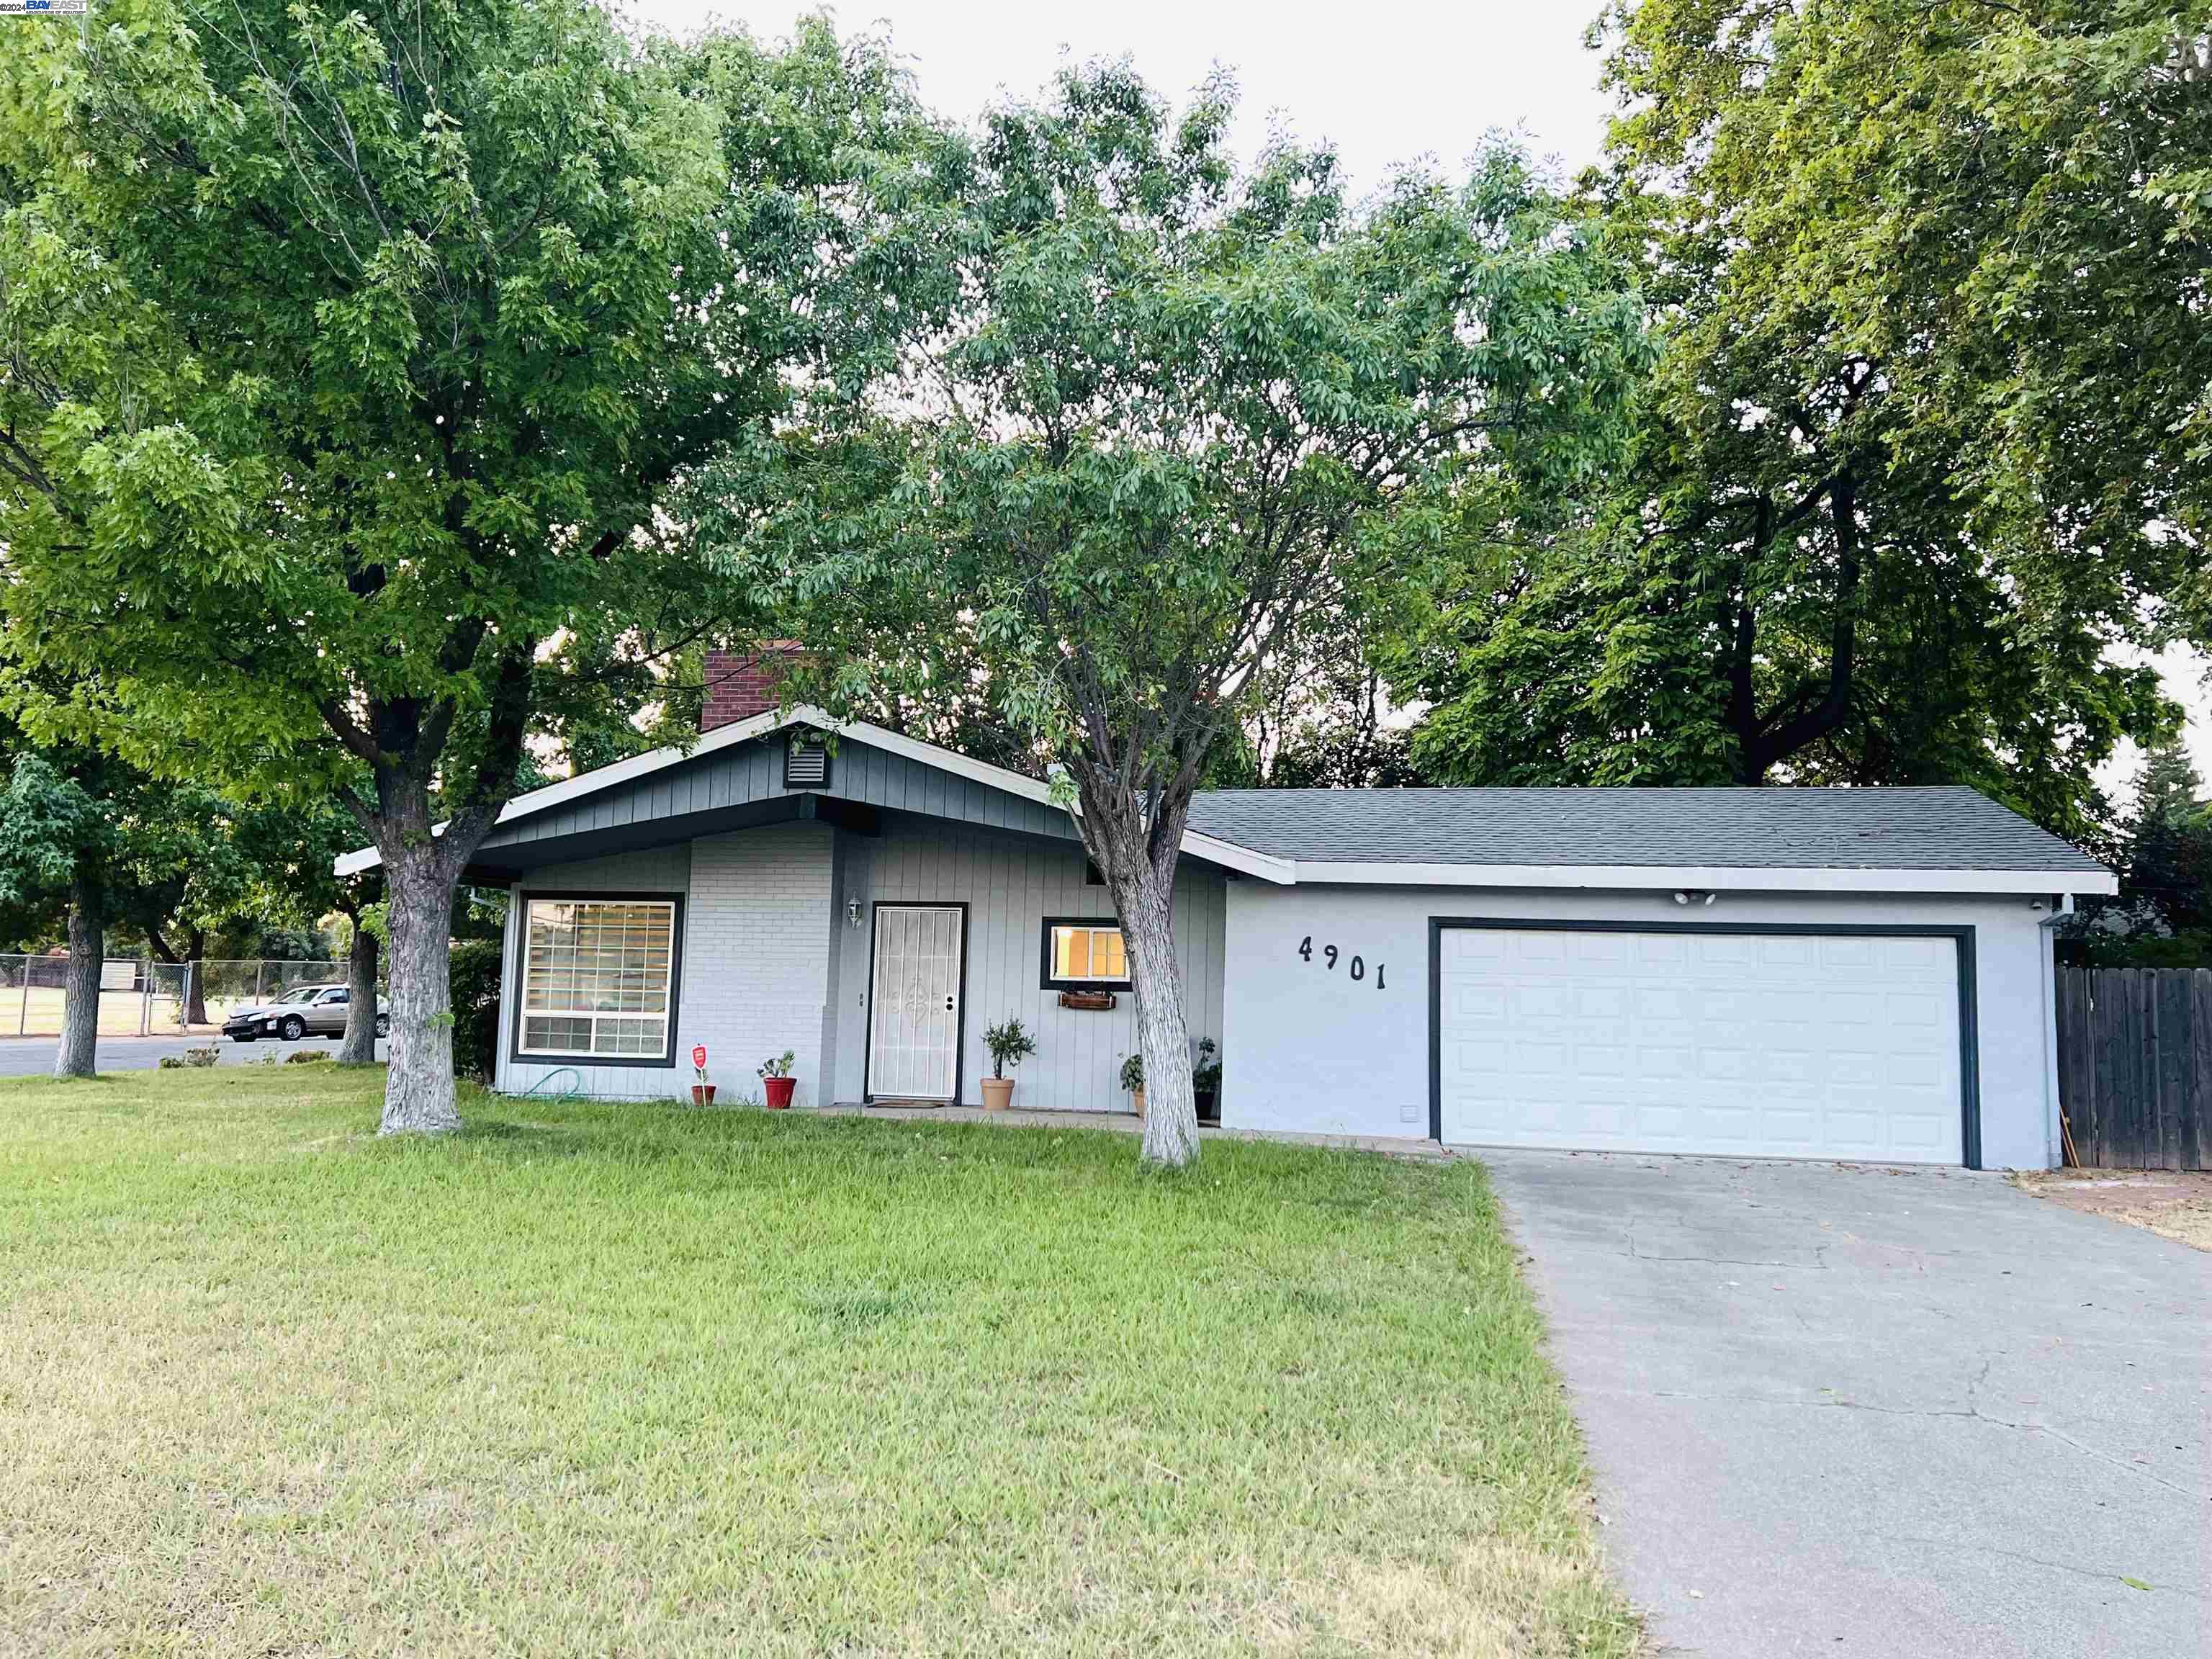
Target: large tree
<point>348,350</point>
<point>1173,408</point>
<point>1928,435</point>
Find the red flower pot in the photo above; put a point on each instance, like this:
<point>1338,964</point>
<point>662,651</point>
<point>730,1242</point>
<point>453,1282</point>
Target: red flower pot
<point>779,1092</point>
<point>703,1094</point>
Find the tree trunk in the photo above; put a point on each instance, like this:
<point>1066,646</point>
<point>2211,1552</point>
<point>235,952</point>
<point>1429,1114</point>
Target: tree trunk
<point>1148,929</point>
<point>359,1048</point>
<point>196,978</point>
<point>77,1056</point>
<point>418,1089</point>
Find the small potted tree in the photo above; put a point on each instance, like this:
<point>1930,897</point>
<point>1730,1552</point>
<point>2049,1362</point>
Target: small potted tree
<point>1008,1044</point>
<point>1133,1079</point>
<point>777,1078</point>
<point>1205,1081</point>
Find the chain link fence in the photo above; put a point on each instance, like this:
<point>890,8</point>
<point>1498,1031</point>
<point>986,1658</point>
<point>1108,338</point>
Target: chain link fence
<point>146,999</point>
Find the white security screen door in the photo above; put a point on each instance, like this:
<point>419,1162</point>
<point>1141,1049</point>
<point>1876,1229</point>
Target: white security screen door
<point>913,1010</point>
<point>1767,1045</point>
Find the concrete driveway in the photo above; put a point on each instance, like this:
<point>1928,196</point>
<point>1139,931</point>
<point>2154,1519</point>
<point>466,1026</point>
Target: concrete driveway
<point>1865,1412</point>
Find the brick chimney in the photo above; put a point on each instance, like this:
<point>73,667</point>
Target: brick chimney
<point>742,684</point>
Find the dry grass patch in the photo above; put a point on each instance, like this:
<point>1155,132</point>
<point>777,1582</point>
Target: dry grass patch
<point>642,1380</point>
<point>2173,1203</point>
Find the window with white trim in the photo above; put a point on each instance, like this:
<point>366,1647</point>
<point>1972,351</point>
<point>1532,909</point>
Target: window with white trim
<point>598,978</point>
<point>1084,955</point>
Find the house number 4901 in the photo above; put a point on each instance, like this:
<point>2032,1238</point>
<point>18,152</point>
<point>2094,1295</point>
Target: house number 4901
<point>1357,966</point>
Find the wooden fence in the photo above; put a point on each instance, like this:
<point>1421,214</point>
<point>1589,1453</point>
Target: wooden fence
<point>2134,1065</point>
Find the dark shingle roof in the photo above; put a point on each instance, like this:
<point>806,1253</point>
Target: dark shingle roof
<point>1934,829</point>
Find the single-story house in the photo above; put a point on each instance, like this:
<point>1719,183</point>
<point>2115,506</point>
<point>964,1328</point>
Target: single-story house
<point>1852,974</point>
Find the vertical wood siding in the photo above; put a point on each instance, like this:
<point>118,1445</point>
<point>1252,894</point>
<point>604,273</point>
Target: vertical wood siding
<point>771,962</point>
<point>754,771</point>
<point>1010,887</point>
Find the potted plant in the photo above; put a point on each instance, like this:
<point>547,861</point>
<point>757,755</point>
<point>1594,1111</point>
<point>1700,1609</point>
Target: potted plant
<point>1205,1081</point>
<point>777,1078</point>
<point>702,1092</point>
<point>1008,1043</point>
<point>1133,1079</point>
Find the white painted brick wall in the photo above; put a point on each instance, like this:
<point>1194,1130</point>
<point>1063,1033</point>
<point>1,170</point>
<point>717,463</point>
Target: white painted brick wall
<point>757,955</point>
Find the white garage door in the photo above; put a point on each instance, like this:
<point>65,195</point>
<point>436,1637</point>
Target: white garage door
<point>1767,1045</point>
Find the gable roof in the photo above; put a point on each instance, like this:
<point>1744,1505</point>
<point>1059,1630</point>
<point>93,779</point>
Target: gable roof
<point>1949,839</point>
<point>1946,828</point>
<point>528,813</point>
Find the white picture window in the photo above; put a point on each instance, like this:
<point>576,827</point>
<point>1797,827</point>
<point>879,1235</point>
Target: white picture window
<point>1080,954</point>
<point>598,978</point>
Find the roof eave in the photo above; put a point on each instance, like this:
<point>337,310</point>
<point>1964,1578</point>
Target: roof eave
<point>1707,877</point>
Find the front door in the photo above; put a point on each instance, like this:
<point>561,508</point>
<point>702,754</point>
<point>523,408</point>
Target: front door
<point>914,1002</point>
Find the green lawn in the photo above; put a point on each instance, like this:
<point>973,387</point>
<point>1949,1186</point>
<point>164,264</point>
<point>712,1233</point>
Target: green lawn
<point>651,1380</point>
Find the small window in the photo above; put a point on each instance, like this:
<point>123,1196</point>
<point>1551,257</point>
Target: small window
<point>334,996</point>
<point>598,979</point>
<point>1081,954</point>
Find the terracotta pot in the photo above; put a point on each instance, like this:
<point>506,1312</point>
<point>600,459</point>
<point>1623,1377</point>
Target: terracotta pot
<point>998,1093</point>
<point>779,1092</point>
<point>703,1094</point>
<point>1137,1096</point>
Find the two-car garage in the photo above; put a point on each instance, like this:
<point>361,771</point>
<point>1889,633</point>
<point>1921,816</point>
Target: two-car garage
<point>1774,1043</point>
<point>1855,974</point>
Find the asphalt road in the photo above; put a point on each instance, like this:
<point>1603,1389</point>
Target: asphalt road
<point>35,1056</point>
<point>1868,1413</point>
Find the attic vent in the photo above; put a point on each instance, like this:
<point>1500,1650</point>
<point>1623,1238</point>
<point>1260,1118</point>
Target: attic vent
<point>805,760</point>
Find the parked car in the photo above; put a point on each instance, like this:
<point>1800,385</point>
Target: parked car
<point>303,1011</point>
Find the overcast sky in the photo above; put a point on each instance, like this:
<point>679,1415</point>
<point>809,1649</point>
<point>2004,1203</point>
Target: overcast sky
<point>1388,81</point>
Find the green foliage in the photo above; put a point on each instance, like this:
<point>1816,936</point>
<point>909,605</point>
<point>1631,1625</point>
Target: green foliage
<point>53,818</point>
<point>475,976</point>
<point>1205,1073</point>
<point>349,353</point>
<point>2162,916</point>
<point>1132,1072</point>
<point>2124,950</point>
<point>308,1057</point>
<point>1926,436</point>
<point>2169,862</point>
<point>1010,1043</point>
<point>777,1065</point>
<point>1174,408</point>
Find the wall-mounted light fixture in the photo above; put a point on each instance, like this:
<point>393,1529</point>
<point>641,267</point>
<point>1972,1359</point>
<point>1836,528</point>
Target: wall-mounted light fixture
<point>1694,896</point>
<point>853,913</point>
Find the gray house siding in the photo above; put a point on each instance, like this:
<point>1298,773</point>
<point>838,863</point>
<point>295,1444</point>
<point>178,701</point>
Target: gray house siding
<point>770,960</point>
<point>1010,886</point>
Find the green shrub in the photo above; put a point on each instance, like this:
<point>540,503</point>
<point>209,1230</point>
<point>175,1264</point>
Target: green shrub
<point>1009,1044</point>
<point>476,969</point>
<point>307,1056</point>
